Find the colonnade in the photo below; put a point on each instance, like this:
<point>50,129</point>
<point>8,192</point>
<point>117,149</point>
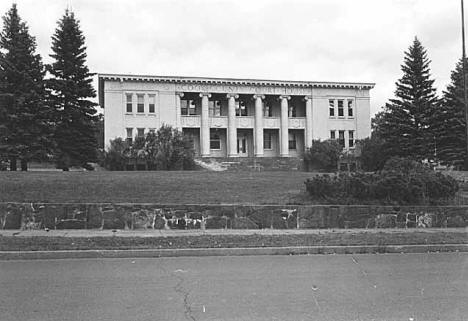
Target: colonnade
<point>258,124</point>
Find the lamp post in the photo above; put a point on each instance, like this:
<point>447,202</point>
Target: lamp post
<point>464,81</point>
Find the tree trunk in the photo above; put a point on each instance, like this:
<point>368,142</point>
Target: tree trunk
<point>13,164</point>
<point>24,165</point>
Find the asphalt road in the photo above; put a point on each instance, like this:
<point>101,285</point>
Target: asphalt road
<point>317,287</point>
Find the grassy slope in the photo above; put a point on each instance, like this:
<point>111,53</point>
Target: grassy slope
<point>153,187</point>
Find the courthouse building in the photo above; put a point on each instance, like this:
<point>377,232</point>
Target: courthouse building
<point>236,117</point>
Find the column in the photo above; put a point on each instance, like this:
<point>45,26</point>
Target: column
<point>205,126</point>
<point>309,122</point>
<point>284,137</point>
<point>232,128</point>
<point>258,125</point>
<point>179,96</point>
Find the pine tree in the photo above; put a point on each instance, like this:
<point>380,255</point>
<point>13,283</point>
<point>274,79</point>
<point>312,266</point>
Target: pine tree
<point>71,86</point>
<point>25,121</point>
<point>449,122</point>
<point>405,124</point>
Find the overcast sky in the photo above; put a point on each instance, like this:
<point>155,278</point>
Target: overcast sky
<point>317,40</point>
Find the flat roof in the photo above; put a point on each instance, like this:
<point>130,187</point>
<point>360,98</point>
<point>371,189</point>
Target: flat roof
<point>228,81</point>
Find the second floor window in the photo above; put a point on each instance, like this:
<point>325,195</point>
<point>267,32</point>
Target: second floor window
<point>151,103</point>
<point>331,107</point>
<point>188,107</point>
<point>350,108</point>
<point>340,108</point>
<point>129,103</point>
<point>241,108</point>
<point>140,103</point>
<point>214,107</point>
<point>292,111</point>
<point>267,110</point>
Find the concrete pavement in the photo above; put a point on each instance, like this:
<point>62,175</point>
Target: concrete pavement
<point>431,286</point>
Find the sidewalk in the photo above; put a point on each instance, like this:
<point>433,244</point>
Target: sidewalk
<point>64,244</point>
<point>198,232</point>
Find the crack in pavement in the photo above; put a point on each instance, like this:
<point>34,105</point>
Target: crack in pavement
<point>179,288</point>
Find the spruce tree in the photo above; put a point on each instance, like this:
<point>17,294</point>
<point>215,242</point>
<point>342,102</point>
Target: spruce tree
<point>449,122</point>
<point>71,87</point>
<point>25,121</point>
<point>405,124</point>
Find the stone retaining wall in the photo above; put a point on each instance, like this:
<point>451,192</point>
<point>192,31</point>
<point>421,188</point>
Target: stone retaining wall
<point>169,216</point>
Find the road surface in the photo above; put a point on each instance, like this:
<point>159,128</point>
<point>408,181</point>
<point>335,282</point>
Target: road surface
<point>317,287</point>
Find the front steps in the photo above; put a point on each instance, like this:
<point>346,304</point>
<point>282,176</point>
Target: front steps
<point>250,163</point>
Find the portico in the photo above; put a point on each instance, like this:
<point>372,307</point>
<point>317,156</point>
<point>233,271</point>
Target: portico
<point>237,117</point>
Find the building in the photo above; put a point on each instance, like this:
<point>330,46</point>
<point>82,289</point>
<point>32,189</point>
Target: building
<point>236,117</point>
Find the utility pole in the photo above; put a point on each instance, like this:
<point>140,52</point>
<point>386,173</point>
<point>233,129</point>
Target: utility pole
<point>465,100</point>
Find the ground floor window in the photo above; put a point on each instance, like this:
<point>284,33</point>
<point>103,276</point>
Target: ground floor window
<point>332,134</point>
<point>292,141</point>
<point>129,135</point>
<point>140,132</point>
<point>215,141</point>
<point>351,138</point>
<point>341,139</point>
<point>267,140</point>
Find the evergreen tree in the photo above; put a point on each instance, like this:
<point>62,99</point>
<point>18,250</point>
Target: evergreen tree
<point>405,124</point>
<point>71,86</point>
<point>449,122</point>
<point>24,125</point>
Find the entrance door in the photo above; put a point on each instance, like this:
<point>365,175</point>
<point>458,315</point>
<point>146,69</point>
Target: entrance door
<point>242,146</point>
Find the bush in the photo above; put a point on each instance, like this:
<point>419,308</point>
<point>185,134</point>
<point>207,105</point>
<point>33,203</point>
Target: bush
<point>373,153</point>
<point>166,149</point>
<point>402,181</point>
<point>323,155</point>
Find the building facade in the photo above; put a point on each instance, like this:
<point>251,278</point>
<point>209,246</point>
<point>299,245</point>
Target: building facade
<point>236,117</point>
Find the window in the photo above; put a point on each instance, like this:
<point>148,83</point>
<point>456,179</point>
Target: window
<point>267,140</point>
<point>129,135</point>
<point>332,134</point>
<point>340,108</point>
<point>151,102</point>
<point>351,138</point>
<point>214,107</point>
<point>350,108</point>
<point>292,141</point>
<point>292,111</point>
<point>152,130</point>
<point>129,103</point>
<point>188,107</point>
<point>331,104</point>
<point>341,140</point>
<point>241,108</point>
<point>140,103</point>
<point>215,141</point>
<point>267,110</point>
<point>140,132</point>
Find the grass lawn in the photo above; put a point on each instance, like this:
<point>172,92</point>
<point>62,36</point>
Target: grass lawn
<point>189,187</point>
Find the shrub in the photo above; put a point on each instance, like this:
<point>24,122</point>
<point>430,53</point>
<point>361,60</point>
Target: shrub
<point>323,155</point>
<point>373,153</point>
<point>402,181</point>
<point>166,149</point>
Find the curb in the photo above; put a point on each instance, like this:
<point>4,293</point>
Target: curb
<point>195,252</point>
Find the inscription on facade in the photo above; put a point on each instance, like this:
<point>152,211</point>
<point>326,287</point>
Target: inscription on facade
<point>242,89</point>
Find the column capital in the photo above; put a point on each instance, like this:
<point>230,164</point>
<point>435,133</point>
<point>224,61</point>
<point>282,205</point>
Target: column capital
<point>205,94</point>
<point>306,98</point>
<point>258,96</point>
<point>285,97</point>
<point>180,94</point>
<point>236,96</point>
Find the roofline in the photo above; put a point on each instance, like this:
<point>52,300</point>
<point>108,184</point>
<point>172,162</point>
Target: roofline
<point>228,81</point>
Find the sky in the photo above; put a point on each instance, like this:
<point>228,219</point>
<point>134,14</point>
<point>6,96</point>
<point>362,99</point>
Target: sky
<point>314,40</point>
